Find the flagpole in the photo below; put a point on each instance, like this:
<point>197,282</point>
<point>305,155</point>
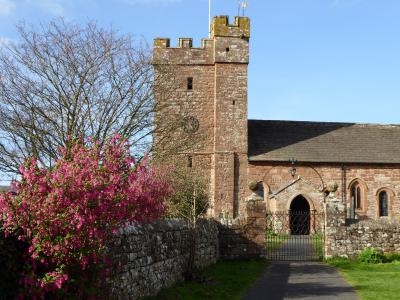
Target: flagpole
<point>209,18</point>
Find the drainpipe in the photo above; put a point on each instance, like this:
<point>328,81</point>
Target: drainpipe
<point>343,184</point>
<point>344,189</point>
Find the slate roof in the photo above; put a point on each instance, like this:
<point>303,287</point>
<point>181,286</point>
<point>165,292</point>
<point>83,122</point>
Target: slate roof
<point>323,142</point>
<point>3,188</point>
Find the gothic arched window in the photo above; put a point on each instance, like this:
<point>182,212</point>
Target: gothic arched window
<point>383,204</point>
<point>260,190</point>
<point>356,195</point>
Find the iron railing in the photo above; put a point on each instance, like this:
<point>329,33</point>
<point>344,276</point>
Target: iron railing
<point>295,236</point>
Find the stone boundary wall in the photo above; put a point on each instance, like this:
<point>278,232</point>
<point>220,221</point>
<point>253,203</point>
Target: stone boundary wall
<point>154,256</point>
<point>349,240</point>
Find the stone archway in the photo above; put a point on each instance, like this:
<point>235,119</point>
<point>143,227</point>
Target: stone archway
<point>300,217</point>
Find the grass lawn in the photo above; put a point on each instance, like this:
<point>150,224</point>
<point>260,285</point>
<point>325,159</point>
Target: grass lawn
<point>372,281</point>
<point>318,245</point>
<point>273,240</point>
<point>224,280</point>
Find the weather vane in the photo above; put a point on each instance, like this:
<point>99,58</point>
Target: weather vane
<point>242,5</point>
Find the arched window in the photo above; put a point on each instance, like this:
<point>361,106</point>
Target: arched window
<point>383,204</point>
<point>356,196</point>
<point>260,190</point>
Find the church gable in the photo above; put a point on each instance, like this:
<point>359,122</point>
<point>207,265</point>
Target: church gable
<point>281,199</point>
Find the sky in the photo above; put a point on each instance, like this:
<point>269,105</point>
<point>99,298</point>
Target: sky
<point>310,60</point>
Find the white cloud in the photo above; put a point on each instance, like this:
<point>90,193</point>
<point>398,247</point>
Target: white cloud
<point>6,7</point>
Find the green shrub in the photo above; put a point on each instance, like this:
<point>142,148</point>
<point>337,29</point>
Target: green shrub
<point>336,260</point>
<point>391,257</point>
<point>371,256</point>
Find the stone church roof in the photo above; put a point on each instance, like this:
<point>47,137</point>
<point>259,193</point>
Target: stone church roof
<point>3,188</point>
<point>323,142</point>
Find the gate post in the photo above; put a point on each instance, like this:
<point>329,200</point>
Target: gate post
<point>255,224</point>
<point>335,220</point>
<point>244,237</point>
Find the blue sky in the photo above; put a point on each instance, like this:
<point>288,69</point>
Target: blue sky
<point>317,60</point>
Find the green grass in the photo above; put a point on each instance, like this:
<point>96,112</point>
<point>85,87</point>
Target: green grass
<point>318,244</point>
<point>273,240</point>
<point>224,280</point>
<point>371,281</point>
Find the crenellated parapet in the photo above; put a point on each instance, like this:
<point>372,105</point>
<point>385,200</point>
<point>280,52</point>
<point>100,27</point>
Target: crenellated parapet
<point>228,43</point>
<point>184,53</point>
<point>161,43</point>
<point>165,43</point>
<point>221,27</point>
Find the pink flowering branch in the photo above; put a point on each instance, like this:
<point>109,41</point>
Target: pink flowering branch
<point>68,213</point>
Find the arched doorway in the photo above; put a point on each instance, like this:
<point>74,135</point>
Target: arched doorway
<point>300,216</point>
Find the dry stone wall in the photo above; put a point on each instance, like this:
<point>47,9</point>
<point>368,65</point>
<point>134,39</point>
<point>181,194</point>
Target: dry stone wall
<point>153,256</point>
<point>348,240</point>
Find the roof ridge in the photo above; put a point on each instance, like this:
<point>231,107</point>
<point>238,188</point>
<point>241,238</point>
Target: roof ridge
<point>324,123</point>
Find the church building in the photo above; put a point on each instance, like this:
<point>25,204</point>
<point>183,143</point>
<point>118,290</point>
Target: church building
<point>293,162</point>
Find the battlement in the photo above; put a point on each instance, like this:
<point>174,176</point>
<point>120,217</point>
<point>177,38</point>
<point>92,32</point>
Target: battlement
<point>221,27</point>
<point>228,43</point>
<point>187,43</point>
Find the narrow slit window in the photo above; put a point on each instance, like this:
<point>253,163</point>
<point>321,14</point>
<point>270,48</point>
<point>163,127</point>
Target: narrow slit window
<point>190,161</point>
<point>383,204</point>
<point>260,190</point>
<point>356,196</point>
<point>190,83</point>
<point>358,202</point>
<point>227,49</point>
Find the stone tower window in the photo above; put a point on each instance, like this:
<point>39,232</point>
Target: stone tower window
<point>190,83</point>
<point>383,204</point>
<point>190,161</point>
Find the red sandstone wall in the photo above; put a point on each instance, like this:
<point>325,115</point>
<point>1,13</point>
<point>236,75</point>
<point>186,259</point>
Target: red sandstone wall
<point>276,176</point>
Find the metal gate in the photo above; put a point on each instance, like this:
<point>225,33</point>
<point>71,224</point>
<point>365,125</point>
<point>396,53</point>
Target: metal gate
<point>295,236</point>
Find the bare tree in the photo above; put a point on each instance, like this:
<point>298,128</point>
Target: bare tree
<point>66,80</point>
<point>190,203</point>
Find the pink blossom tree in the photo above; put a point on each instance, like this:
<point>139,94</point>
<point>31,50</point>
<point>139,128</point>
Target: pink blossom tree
<point>68,214</point>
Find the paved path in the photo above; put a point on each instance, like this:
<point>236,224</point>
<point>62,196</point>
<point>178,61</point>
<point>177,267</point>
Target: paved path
<point>301,280</point>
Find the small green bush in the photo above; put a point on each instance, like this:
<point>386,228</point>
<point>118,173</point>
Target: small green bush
<point>336,260</point>
<point>371,256</point>
<point>391,257</point>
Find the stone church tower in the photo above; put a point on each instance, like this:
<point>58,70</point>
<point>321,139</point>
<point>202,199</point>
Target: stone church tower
<point>210,97</point>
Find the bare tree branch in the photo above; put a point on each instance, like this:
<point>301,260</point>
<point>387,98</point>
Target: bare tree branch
<point>69,81</point>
